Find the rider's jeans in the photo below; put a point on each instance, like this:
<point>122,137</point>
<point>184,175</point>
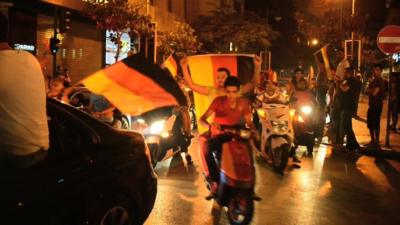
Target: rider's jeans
<point>215,145</point>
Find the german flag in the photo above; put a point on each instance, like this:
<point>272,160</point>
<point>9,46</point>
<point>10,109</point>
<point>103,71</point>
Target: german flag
<point>203,70</point>
<point>136,85</point>
<point>171,64</point>
<point>323,55</point>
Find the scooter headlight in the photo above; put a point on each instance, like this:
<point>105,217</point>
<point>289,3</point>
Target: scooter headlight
<point>246,134</point>
<point>157,127</point>
<point>280,126</point>
<point>306,109</point>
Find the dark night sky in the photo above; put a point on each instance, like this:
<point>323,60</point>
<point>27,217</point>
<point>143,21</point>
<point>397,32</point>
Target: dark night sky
<point>286,52</point>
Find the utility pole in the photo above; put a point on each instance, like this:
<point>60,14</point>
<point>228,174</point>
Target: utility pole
<point>55,25</point>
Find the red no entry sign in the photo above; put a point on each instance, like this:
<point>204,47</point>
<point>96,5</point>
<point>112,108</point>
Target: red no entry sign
<point>389,39</point>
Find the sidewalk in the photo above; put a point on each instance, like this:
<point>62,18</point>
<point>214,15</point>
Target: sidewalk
<point>391,153</point>
<point>362,132</point>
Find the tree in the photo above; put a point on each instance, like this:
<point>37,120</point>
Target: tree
<point>182,41</point>
<point>225,30</point>
<point>321,19</point>
<point>119,16</point>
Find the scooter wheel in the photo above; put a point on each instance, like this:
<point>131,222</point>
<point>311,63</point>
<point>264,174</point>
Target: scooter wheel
<point>188,159</point>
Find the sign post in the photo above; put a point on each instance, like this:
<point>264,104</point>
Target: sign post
<point>388,41</point>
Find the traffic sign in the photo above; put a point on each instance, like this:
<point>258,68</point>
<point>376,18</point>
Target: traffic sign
<point>388,39</point>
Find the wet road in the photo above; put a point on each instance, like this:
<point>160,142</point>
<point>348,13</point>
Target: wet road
<point>332,187</point>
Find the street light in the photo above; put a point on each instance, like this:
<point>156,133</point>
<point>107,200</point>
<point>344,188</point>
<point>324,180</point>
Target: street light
<point>314,42</point>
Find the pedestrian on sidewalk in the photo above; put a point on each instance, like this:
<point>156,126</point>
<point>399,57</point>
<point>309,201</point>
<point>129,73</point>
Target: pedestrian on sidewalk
<point>358,92</point>
<point>322,87</point>
<point>376,93</point>
<point>394,99</point>
<point>347,96</point>
<point>336,107</point>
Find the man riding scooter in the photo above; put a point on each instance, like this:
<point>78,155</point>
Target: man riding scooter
<point>304,120</point>
<point>228,110</point>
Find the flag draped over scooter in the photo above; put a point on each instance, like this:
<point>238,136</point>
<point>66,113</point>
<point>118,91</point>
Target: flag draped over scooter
<point>203,70</point>
<point>135,85</point>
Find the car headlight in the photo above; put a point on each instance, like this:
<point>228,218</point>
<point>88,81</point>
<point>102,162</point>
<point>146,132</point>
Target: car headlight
<point>306,109</point>
<point>157,127</point>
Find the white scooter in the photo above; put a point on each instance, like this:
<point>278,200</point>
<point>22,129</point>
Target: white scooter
<point>276,135</point>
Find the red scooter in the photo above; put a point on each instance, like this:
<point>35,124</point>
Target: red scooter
<point>237,175</point>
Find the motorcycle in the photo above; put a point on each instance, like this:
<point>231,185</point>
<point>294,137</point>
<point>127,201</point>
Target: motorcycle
<point>167,132</point>
<point>304,124</point>
<point>237,176</point>
<point>276,134</point>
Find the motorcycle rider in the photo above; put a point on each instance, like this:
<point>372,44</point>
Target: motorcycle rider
<point>269,94</point>
<point>228,110</point>
<point>213,92</point>
<point>301,95</point>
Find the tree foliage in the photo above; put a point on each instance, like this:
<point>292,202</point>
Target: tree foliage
<point>247,32</point>
<point>321,19</point>
<point>181,41</point>
<point>119,16</point>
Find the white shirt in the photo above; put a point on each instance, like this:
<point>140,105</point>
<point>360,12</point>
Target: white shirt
<point>341,68</point>
<point>23,119</point>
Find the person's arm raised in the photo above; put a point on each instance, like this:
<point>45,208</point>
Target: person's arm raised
<point>256,76</point>
<point>203,90</point>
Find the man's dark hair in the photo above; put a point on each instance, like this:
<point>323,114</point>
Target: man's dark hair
<point>232,81</point>
<point>3,28</point>
<point>380,66</point>
<point>223,69</point>
<point>298,70</point>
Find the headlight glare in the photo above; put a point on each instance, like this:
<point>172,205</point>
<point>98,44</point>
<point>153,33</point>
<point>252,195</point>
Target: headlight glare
<point>157,127</point>
<point>306,109</point>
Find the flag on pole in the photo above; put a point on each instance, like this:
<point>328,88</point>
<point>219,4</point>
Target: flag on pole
<point>171,64</point>
<point>135,85</point>
<point>323,55</point>
<point>203,70</point>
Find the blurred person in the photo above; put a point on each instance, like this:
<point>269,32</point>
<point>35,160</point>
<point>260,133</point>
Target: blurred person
<point>343,64</point>
<point>376,93</point>
<point>347,96</point>
<point>222,74</point>
<point>358,92</point>
<point>292,85</point>
<point>56,87</point>
<point>24,133</point>
<point>212,92</point>
<point>394,99</point>
<point>227,110</point>
<point>321,90</point>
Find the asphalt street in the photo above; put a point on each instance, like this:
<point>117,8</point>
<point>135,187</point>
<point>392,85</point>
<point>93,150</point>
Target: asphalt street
<point>331,187</point>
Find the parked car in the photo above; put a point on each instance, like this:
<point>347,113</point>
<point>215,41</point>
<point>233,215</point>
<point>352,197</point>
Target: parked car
<point>93,174</point>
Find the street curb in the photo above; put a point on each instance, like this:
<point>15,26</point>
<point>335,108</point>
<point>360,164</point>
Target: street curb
<point>380,153</point>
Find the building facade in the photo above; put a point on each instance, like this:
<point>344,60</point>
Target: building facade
<point>83,48</point>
